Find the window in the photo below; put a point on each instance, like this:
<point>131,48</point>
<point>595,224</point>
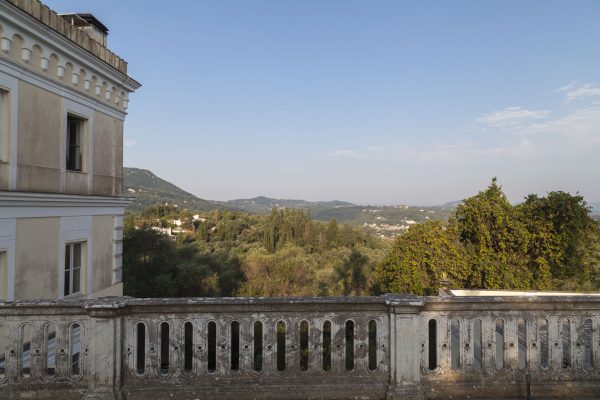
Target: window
<point>73,266</point>
<point>75,135</point>
<point>4,125</point>
<point>3,276</point>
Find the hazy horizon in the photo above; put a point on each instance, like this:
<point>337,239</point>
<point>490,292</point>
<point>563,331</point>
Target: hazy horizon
<point>374,203</point>
<point>368,102</point>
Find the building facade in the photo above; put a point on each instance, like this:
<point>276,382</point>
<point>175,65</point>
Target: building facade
<point>63,102</point>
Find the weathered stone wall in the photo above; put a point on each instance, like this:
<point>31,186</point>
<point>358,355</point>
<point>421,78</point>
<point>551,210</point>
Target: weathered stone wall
<point>335,348</point>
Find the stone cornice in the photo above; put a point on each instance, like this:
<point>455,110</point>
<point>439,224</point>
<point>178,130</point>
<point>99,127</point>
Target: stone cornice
<point>27,199</point>
<point>284,304</point>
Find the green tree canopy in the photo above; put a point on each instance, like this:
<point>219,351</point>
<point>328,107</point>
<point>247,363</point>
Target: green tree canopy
<point>420,259</point>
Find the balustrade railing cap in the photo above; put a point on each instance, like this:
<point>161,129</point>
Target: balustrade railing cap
<point>403,300</point>
<point>256,300</point>
<point>104,303</point>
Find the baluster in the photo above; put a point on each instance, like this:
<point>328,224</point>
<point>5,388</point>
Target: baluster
<point>269,346</point>
<point>246,338</point>
<point>315,346</point>
<point>554,342</point>
<point>535,356</point>
<point>510,343</point>
<point>201,346</point>
<point>444,343</point>
<point>152,356</point>
<point>293,352</point>
<point>38,351</point>
<point>177,347</point>
<point>338,351</point>
<point>488,329</point>
<point>223,346</point>
<point>62,345</point>
<point>467,347</point>
<point>361,346</point>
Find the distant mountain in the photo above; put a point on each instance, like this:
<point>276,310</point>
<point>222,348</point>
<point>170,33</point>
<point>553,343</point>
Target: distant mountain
<point>386,221</point>
<point>148,189</point>
<point>264,205</point>
<point>450,204</point>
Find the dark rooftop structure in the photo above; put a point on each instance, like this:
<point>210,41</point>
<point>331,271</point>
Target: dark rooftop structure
<point>89,24</point>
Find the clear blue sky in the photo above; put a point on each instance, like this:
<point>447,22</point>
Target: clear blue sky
<point>415,102</point>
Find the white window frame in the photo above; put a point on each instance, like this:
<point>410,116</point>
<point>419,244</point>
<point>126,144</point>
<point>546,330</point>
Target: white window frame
<point>7,246</point>
<point>4,124</point>
<point>71,108</point>
<point>3,275</point>
<point>81,126</point>
<point>117,275</point>
<point>8,132</point>
<point>76,229</point>
<point>71,254</point>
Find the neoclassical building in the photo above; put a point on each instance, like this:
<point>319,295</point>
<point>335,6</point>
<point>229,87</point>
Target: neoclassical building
<point>63,101</point>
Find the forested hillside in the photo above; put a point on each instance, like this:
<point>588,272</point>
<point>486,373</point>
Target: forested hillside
<point>148,189</point>
<point>226,253</point>
<point>548,242</point>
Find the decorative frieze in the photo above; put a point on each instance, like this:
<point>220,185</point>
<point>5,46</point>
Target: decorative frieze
<point>50,55</point>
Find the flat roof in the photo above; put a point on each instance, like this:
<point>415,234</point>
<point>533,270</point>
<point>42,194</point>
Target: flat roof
<point>515,293</point>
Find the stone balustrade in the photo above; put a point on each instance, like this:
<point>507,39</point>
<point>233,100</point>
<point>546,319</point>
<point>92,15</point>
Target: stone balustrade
<point>342,348</point>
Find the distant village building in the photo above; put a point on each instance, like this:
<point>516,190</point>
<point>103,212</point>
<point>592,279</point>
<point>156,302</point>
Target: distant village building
<point>63,101</point>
